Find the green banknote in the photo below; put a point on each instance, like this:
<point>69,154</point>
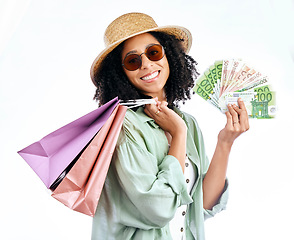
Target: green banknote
<point>205,84</point>
<point>259,103</point>
<point>218,66</point>
<point>264,106</point>
<point>201,92</point>
<point>206,95</point>
<point>232,98</point>
<point>209,77</point>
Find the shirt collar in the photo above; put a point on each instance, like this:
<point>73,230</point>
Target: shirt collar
<point>144,118</point>
<point>178,111</point>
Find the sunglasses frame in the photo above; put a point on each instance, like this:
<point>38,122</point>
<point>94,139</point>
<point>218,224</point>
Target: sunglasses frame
<point>140,58</point>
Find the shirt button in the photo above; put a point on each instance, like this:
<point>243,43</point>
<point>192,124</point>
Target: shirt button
<point>187,180</point>
<point>183,213</point>
<point>182,229</point>
<point>187,164</point>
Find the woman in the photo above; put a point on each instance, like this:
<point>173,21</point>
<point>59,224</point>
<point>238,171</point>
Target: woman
<point>160,185</point>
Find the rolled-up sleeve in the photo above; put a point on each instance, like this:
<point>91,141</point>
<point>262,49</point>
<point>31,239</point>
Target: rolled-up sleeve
<point>220,205</point>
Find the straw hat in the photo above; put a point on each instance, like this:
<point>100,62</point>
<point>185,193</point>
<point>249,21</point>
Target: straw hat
<point>133,24</point>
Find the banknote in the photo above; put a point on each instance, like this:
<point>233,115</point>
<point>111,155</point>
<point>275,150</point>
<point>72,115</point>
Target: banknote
<point>232,98</point>
<point>265,104</point>
<point>207,85</point>
<point>232,70</point>
<point>225,70</point>
<point>218,69</point>
<point>243,73</point>
<point>206,96</point>
<point>253,84</point>
<point>212,70</point>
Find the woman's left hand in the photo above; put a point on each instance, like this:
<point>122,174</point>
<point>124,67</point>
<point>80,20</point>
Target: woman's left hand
<point>237,123</point>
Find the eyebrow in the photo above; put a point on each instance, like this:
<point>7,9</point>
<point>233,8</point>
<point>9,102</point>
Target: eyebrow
<point>130,52</point>
<point>135,51</point>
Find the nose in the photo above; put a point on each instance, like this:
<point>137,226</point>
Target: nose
<point>146,63</point>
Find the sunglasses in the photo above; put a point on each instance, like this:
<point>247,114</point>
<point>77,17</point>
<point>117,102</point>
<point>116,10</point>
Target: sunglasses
<point>133,61</point>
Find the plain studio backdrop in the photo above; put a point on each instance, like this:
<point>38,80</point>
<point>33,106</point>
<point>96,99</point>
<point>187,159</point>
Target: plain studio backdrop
<point>46,50</point>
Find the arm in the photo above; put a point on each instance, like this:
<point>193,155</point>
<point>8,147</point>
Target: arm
<point>213,183</point>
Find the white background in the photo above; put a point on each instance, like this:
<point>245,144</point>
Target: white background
<point>46,50</point>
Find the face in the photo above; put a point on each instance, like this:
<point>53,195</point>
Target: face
<point>151,77</point>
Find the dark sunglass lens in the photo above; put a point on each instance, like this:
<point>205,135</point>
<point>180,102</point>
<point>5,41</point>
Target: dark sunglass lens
<point>155,52</point>
<point>132,62</point>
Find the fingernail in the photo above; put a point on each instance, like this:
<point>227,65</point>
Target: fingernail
<point>240,99</point>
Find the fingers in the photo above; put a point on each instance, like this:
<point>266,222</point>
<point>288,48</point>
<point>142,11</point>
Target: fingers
<point>234,114</point>
<point>239,116</point>
<point>230,126</point>
<point>163,106</point>
<point>241,107</point>
<point>151,110</point>
<point>154,110</point>
<point>243,115</point>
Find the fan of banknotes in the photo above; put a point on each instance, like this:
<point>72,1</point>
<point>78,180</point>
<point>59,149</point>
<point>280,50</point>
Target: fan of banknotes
<point>227,80</point>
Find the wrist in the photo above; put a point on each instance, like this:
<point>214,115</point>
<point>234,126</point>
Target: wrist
<point>179,132</point>
<point>225,145</point>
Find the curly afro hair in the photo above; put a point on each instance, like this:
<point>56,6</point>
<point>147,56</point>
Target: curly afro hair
<point>111,80</point>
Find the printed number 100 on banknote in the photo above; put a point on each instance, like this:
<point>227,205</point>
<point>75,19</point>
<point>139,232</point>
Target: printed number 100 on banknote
<point>259,103</point>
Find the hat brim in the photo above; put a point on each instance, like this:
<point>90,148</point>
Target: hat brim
<point>179,32</point>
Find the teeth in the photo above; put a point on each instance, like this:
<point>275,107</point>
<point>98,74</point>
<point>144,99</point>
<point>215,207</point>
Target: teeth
<point>153,75</point>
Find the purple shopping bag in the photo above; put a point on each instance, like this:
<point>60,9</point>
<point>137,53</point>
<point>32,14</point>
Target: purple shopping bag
<point>53,153</point>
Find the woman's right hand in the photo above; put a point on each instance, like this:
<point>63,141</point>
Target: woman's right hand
<point>172,123</point>
<point>166,118</point>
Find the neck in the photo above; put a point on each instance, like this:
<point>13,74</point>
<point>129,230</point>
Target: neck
<point>161,96</point>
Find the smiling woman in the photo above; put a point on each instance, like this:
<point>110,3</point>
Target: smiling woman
<point>160,184</point>
<point>109,72</point>
<point>151,76</point>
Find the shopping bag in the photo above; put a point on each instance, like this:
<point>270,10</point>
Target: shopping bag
<point>81,187</point>
<point>73,161</point>
<point>53,153</point>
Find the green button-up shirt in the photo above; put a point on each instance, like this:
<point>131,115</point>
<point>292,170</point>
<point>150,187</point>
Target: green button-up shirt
<point>145,185</point>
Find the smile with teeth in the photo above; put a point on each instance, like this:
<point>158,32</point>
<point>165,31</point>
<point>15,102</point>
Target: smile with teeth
<point>151,76</point>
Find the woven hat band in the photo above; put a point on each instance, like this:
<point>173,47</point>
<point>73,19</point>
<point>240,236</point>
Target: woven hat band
<point>127,25</point>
